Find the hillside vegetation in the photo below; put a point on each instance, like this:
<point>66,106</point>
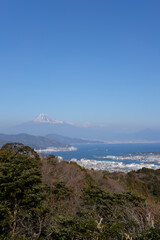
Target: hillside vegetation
<point>45,198</point>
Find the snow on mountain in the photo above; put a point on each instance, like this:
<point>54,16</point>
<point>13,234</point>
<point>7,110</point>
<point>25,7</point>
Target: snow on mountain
<point>45,118</point>
<point>41,125</point>
<point>44,124</point>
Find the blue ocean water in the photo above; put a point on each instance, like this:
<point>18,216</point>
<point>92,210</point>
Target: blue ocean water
<point>114,157</point>
<point>98,151</point>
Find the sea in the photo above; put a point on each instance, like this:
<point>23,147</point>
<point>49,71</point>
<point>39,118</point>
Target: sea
<point>114,157</point>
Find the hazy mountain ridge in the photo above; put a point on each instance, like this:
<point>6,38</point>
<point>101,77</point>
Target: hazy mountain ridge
<point>64,139</point>
<point>36,142</point>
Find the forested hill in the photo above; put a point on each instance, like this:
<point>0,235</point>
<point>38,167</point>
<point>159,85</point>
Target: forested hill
<point>45,198</point>
<point>35,142</point>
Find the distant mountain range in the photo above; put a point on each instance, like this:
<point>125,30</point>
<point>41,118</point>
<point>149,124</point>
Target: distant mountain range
<point>69,140</point>
<point>39,142</point>
<point>44,125</point>
<point>36,142</point>
<point>145,135</point>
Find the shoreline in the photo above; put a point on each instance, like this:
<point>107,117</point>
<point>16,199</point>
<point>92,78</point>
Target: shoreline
<point>56,149</point>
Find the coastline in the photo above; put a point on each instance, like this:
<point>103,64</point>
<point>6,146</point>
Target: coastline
<point>56,149</point>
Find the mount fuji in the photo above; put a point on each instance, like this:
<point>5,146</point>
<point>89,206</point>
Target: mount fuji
<point>43,124</point>
<point>45,118</point>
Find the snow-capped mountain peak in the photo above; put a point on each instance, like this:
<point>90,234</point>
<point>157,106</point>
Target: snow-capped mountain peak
<point>45,118</point>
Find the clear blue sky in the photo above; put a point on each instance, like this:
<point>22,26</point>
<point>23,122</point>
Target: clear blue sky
<point>81,61</point>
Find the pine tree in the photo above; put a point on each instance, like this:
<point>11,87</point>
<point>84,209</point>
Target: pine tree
<point>21,196</point>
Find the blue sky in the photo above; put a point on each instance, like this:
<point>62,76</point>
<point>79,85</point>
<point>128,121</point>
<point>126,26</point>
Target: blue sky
<point>81,61</point>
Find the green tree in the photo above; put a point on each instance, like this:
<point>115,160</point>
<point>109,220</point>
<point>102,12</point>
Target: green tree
<point>21,196</point>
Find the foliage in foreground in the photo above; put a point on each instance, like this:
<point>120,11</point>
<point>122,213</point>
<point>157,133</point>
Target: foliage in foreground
<point>48,199</point>
<point>21,195</point>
